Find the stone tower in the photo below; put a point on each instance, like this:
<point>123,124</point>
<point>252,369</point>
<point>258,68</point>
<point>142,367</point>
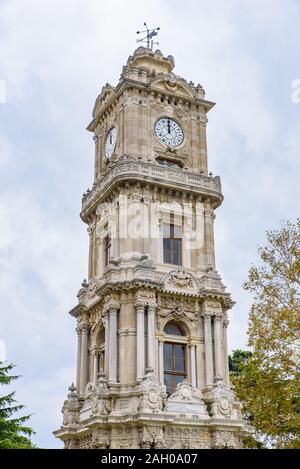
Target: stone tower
<point>152,367</point>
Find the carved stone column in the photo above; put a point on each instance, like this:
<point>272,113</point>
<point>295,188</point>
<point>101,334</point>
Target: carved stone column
<point>96,164</point>
<point>193,365</point>
<point>218,347</point>
<point>106,352</point>
<point>90,267</point>
<point>79,339</point>
<point>161,362</point>
<point>95,366</point>
<point>226,364</point>
<point>208,350</point>
<point>209,236</point>
<point>140,341</point>
<point>84,358</point>
<point>112,346</point>
<point>151,338</point>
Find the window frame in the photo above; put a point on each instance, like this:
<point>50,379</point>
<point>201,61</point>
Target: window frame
<point>171,226</point>
<point>176,340</point>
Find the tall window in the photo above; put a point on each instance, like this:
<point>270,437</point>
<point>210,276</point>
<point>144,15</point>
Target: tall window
<point>107,250</point>
<point>174,359</point>
<point>172,239</point>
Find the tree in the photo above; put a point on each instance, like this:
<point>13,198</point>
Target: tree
<point>13,432</point>
<point>268,382</point>
<point>238,360</point>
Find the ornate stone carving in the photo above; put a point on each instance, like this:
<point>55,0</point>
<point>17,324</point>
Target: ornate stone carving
<point>180,279</point>
<point>87,291</point>
<point>154,395</point>
<point>224,402</point>
<point>99,398</point>
<point>71,408</point>
<point>111,302</point>
<point>223,439</point>
<point>187,399</point>
<point>199,183</point>
<point>99,439</point>
<point>71,444</point>
<point>151,437</point>
<point>211,281</point>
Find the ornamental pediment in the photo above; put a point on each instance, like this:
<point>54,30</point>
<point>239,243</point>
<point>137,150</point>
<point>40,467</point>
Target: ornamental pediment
<point>171,82</point>
<point>106,92</point>
<point>180,280</point>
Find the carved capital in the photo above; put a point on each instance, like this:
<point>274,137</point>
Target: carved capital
<point>151,308</point>
<point>218,316</point>
<point>225,323</point>
<point>140,304</point>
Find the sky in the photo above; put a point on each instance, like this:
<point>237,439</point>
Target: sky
<point>54,59</point>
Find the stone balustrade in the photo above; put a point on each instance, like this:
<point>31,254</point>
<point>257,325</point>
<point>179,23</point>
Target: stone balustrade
<point>131,169</point>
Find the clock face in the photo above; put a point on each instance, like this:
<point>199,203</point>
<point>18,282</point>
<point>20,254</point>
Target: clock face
<point>168,132</point>
<point>110,142</point>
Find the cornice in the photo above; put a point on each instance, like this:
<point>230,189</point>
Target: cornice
<point>130,169</point>
<point>149,87</point>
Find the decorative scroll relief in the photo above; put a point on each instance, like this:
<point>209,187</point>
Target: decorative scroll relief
<point>151,436</point>
<point>224,402</point>
<point>179,279</point>
<point>173,308</point>
<point>223,439</point>
<point>97,439</point>
<point>154,395</point>
<point>111,302</point>
<point>187,399</point>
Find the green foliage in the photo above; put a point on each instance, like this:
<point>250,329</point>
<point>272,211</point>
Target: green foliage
<point>13,432</point>
<point>237,360</point>
<point>267,382</point>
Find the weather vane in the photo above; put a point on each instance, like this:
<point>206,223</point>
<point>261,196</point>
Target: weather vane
<point>149,36</point>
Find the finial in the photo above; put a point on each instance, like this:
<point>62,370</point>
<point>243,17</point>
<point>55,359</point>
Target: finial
<point>148,38</point>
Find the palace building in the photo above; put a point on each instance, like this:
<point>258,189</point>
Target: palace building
<point>152,317</point>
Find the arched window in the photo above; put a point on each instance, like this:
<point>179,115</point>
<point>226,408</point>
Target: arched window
<point>174,357</point>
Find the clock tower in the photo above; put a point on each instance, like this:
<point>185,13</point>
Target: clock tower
<point>152,317</point>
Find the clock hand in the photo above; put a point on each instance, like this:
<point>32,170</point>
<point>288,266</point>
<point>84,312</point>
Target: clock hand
<point>110,139</point>
<point>169,128</point>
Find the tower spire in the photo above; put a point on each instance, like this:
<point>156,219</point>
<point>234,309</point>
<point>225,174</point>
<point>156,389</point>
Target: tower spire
<point>150,33</point>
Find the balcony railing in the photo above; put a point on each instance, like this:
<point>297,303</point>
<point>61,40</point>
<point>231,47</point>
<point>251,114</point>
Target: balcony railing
<point>170,177</point>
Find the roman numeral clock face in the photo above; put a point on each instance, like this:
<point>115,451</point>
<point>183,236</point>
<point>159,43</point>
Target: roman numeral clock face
<point>110,142</point>
<point>168,132</point>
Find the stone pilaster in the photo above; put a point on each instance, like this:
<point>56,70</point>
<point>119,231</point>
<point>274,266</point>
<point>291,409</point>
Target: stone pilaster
<point>78,372</point>
<point>95,366</point>
<point>209,236</point>
<point>113,345</point>
<point>193,365</point>
<point>106,354</point>
<point>84,358</point>
<point>161,362</point>
<point>218,338</point>
<point>140,340</point>
<point>208,349</point>
<point>226,364</point>
<point>151,339</point>
<point>90,266</point>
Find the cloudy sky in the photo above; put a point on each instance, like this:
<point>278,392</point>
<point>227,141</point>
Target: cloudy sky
<point>54,58</point>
